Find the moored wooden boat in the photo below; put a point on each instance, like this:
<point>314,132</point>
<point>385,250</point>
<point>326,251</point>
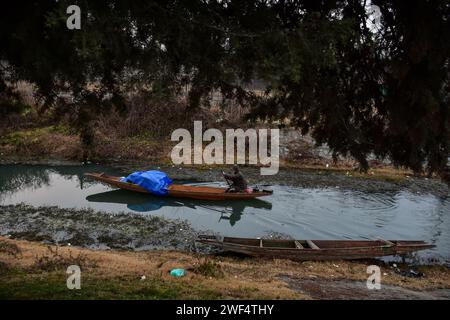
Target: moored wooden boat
<point>182,191</point>
<point>315,249</point>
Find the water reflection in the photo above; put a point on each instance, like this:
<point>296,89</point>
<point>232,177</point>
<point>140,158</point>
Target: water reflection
<point>230,210</point>
<point>29,176</point>
<point>15,177</point>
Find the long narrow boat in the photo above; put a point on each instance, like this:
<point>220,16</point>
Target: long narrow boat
<point>301,250</point>
<point>182,191</point>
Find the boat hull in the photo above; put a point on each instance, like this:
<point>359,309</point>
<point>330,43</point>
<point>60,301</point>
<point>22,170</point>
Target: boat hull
<point>181,191</point>
<point>326,249</point>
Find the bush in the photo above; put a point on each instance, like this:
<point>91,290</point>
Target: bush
<point>55,261</point>
<point>209,268</point>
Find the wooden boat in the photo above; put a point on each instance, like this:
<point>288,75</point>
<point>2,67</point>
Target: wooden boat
<point>315,249</point>
<point>182,191</point>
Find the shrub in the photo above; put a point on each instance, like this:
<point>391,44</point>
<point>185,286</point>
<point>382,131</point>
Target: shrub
<point>208,268</point>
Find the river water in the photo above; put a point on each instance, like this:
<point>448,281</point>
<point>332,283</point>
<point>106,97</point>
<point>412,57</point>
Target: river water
<point>292,211</point>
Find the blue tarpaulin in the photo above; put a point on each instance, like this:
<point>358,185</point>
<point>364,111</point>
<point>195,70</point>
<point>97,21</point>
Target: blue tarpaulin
<point>154,181</point>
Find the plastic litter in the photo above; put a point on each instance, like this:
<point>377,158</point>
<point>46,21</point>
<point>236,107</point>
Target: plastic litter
<point>177,272</point>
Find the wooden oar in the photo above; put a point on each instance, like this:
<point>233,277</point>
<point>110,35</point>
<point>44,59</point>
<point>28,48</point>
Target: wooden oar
<point>228,182</point>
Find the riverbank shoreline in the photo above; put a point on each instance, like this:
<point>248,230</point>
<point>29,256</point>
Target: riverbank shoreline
<point>313,165</point>
<point>33,266</point>
<point>383,179</point>
<point>32,270</point>
<point>57,144</point>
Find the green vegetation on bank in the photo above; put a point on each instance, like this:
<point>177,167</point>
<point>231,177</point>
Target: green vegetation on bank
<point>34,284</point>
<point>30,136</point>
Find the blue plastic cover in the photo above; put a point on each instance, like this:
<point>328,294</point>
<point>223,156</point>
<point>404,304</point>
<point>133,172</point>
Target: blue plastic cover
<point>153,181</point>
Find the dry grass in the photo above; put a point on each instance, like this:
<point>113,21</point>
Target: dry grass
<point>54,260</point>
<point>208,268</point>
<point>224,277</point>
<point>384,173</point>
<point>9,248</point>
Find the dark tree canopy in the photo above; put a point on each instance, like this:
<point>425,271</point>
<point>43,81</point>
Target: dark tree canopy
<point>363,88</point>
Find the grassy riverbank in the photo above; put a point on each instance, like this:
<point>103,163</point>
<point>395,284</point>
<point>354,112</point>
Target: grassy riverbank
<point>31,270</point>
<point>58,143</point>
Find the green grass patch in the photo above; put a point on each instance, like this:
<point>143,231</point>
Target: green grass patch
<point>28,284</point>
<point>25,137</point>
<point>142,140</point>
<point>14,138</point>
<point>60,129</point>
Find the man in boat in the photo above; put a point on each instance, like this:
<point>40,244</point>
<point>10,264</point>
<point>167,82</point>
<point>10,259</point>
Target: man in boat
<point>238,183</point>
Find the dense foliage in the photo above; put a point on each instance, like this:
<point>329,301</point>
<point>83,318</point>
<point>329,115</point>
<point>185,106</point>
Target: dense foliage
<point>361,86</point>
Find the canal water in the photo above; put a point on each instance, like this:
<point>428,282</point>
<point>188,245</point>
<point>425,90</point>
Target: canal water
<point>301,213</point>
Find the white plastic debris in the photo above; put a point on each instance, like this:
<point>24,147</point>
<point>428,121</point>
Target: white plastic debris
<point>143,277</point>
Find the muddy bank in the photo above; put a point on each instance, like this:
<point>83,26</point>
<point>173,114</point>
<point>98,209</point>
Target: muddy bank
<point>99,230</point>
<point>320,289</point>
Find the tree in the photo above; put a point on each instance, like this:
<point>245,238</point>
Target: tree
<point>360,87</point>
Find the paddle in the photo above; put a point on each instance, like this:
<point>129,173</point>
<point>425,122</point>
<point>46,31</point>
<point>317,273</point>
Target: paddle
<point>228,182</point>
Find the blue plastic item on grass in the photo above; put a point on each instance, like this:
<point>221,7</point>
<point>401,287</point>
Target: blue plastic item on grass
<point>177,272</point>
<point>156,182</point>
